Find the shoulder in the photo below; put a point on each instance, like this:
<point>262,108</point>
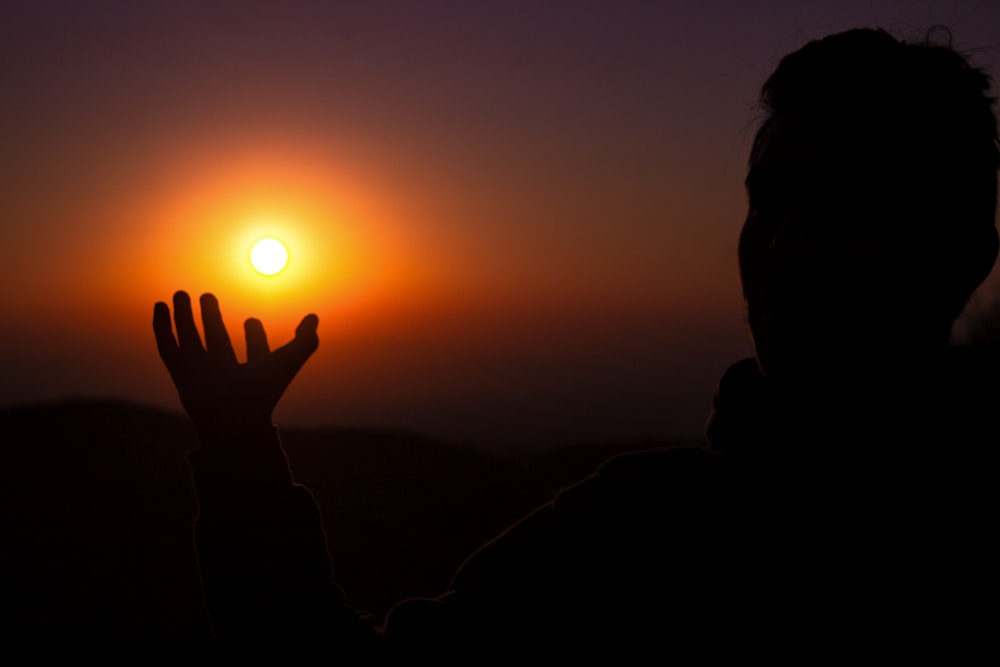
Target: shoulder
<point>626,537</point>
<point>659,467</point>
<point>626,494</point>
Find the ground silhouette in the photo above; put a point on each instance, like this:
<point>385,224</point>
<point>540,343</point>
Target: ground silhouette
<point>99,559</point>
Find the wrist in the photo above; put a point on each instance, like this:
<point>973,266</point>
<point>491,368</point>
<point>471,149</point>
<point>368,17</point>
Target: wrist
<point>250,454</point>
<point>219,432</point>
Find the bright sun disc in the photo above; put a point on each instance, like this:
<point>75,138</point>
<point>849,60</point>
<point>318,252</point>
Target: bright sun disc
<point>268,256</point>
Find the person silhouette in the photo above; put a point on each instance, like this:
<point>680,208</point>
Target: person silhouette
<point>843,499</point>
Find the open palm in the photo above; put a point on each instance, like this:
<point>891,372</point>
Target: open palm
<point>218,392</point>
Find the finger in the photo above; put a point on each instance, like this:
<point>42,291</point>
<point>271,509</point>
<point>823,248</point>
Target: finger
<point>217,341</point>
<point>187,333</point>
<point>166,344</point>
<point>306,331</point>
<point>289,358</point>
<point>257,346</point>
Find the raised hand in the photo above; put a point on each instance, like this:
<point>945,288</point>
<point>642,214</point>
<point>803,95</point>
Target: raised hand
<point>220,394</point>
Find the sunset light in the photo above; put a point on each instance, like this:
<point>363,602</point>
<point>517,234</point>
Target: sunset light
<point>268,256</point>
<point>490,216</point>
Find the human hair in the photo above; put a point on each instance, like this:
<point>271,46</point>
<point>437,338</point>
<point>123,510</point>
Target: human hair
<point>886,136</point>
<point>921,111</point>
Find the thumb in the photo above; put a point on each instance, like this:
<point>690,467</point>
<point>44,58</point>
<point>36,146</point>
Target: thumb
<point>289,358</point>
<point>305,333</point>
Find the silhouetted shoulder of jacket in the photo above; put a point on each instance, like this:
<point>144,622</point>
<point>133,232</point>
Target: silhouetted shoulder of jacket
<point>631,498</point>
<point>624,558</point>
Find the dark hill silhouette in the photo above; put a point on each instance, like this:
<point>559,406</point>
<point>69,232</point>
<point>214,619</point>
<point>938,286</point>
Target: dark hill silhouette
<point>98,557</point>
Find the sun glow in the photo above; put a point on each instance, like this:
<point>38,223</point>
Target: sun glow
<point>346,256</point>
<point>268,256</point>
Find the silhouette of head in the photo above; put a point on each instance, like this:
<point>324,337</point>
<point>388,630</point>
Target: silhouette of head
<point>872,194</point>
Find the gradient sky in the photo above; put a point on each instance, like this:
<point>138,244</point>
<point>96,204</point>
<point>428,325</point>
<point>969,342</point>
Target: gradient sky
<point>516,220</point>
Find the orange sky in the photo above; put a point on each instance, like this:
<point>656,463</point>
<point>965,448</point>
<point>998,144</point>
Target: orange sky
<point>516,224</point>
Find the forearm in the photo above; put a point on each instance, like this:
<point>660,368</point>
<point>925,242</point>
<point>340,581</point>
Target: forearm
<point>262,551</point>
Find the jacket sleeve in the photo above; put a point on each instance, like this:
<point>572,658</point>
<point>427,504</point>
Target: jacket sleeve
<point>264,563</point>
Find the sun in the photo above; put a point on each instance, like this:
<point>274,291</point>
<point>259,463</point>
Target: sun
<point>268,256</point>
